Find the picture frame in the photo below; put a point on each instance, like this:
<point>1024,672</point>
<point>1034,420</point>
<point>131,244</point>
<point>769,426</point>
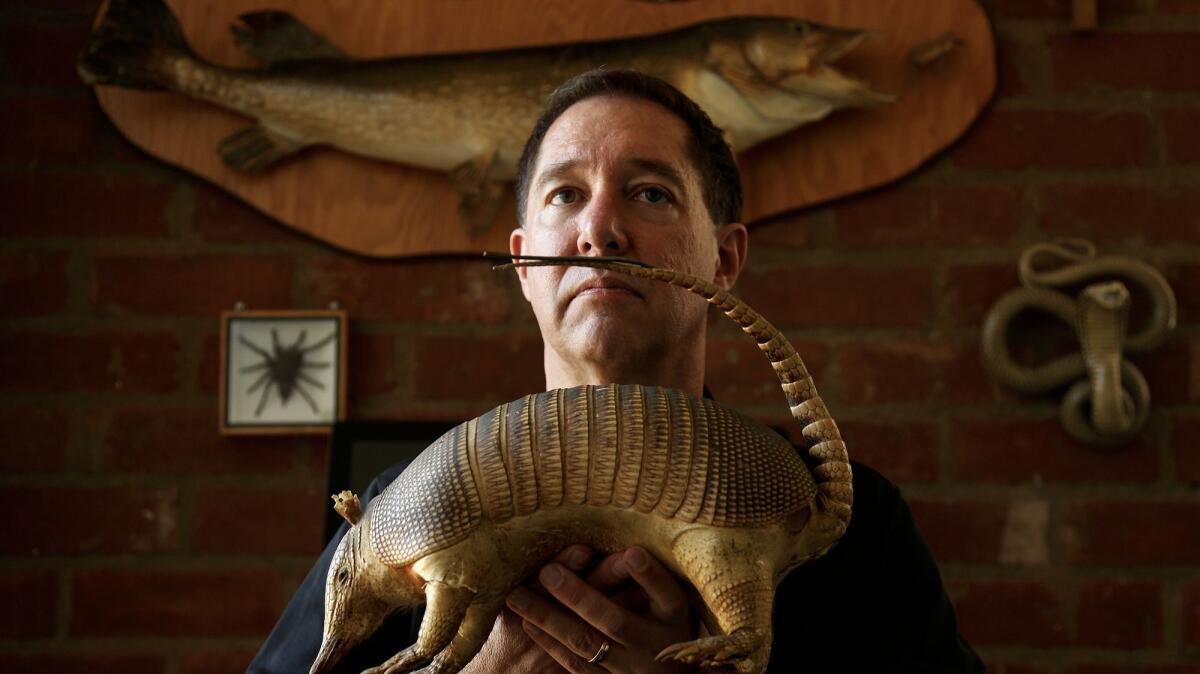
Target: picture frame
<point>283,372</point>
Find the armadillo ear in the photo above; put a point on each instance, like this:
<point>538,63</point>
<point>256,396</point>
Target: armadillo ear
<point>347,505</point>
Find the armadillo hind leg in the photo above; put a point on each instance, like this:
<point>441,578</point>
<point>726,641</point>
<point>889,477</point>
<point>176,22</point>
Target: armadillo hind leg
<point>740,603</point>
<point>445,607</point>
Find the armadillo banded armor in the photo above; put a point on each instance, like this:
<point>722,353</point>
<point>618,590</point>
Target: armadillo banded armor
<point>651,449</point>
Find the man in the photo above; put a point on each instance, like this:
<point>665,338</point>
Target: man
<point>622,164</point>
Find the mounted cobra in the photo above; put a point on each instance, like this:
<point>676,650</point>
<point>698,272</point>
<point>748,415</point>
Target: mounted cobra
<point>1105,383</point>
<point>724,502</point>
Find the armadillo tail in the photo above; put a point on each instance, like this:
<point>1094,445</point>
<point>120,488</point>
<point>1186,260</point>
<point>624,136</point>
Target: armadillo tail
<point>128,43</point>
<point>821,435</point>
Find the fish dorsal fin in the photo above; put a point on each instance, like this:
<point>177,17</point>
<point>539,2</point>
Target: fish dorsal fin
<point>278,37</point>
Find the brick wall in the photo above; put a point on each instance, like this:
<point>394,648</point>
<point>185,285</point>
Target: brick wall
<point>137,540</point>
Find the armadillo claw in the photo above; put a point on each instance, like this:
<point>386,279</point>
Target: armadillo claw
<point>709,651</point>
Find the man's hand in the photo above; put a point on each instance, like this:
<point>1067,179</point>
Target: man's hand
<point>637,623</point>
<point>509,648</point>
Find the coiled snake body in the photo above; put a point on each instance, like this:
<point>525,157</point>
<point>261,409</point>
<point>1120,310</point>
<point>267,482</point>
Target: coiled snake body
<point>1117,392</point>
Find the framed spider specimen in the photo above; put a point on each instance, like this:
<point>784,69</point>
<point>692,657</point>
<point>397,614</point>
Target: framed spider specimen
<point>282,371</point>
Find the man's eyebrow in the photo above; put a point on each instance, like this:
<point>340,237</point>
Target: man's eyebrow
<point>659,168</point>
<point>556,170</point>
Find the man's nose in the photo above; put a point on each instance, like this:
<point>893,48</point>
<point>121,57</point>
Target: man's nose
<point>601,229</point>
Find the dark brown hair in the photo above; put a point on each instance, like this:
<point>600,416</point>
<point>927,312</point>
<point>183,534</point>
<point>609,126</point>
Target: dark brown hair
<point>707,147</point>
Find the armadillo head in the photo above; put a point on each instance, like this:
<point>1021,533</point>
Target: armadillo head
<point>356,599</point>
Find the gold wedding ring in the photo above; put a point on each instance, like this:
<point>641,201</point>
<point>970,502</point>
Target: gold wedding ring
<point>600,654</point>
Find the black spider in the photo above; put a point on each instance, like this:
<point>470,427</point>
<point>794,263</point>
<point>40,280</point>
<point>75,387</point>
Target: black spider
<point>285,369</point>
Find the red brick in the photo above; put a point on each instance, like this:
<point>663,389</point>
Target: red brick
<point>82,663</point>
<point>259,521</point>
<point>223,218</point>
<point>1172,371</point>
<point>1116,213</point>
<point>372,364</point>
<point>428,290</point>
<point>737,373</point>
<point>1191,613</point>
<point>51,129</point>
<point>929,216</point>
<point>92,363</point>
<point>61,520</point>
<point>962,531</point>
<point>26,60</point>
<point>1187,450</point>
<point>1009,56</point>
<point>1022,139</point>
<point>191,285</point>
<point>208,371</point>
<point>490,370</point>
<point>1181,128</point>
<point>1120,614</point>
<point>174,603</point>
<point>891,371</point>
<point>221,662</point>
<point>1023,450</point>
<point>148,442</point>
<point>1139,61</point>
<point>30,604</point>
<point>35,439</point>
<point>902,451</point>
<point>1131,532</point>
<point>1009,612</point>
<point>841,296</point>
<point>32,283</point>
<point>100,206</point>
<point>1185,281</point>
<point>788,231</point>
<point>973,289</point>
<point>967,380</point>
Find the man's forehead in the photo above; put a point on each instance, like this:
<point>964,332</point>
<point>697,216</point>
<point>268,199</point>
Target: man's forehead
<point>628,134</point>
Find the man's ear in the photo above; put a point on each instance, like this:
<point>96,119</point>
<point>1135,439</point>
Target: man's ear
<point>733,243</point>
<point>516,244</point>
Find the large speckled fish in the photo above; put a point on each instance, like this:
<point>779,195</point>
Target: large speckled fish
<point>467,114</point>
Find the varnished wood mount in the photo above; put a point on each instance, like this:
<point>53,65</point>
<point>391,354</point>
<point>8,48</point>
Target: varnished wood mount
<point>388,210</point>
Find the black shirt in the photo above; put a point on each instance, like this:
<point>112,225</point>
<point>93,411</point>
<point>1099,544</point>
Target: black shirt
<point>874,603</point>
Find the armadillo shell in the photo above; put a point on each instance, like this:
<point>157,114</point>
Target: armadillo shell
<point>652,449</point>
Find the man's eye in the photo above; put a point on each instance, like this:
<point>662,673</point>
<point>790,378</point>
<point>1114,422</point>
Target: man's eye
<point>653,195</point>
<point>563,197</point>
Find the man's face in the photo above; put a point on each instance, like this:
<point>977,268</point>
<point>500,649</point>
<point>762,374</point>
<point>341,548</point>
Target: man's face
<point>613,178</point>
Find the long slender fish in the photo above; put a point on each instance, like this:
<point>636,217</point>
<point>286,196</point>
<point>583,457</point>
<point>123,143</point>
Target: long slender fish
<point>469,113</point>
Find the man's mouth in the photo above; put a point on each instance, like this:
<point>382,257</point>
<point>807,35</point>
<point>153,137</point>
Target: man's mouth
<point>605,286</point>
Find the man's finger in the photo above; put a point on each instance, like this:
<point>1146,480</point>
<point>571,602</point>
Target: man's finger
<point>668,602</point>
<point>606,576</point>
<point>561,654</point>
<point>595,608</point>
<point>575,557</point>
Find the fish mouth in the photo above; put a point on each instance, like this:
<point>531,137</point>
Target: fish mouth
<point>327,658</point>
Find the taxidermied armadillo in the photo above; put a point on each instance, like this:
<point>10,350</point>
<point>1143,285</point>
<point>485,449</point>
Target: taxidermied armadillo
<point>724,502</point>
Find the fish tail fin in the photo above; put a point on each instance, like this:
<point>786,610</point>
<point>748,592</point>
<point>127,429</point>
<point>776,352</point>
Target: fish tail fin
<point>127,46</point>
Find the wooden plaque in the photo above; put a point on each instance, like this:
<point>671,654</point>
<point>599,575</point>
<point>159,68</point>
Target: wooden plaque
<point>387,210</point>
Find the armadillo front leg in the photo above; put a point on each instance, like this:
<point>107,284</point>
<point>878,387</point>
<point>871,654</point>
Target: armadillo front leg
<point>445,606</point>
<point>469,640</point>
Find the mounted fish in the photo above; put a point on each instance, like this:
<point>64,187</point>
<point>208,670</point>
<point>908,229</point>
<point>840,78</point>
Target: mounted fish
<point>467,113</point>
